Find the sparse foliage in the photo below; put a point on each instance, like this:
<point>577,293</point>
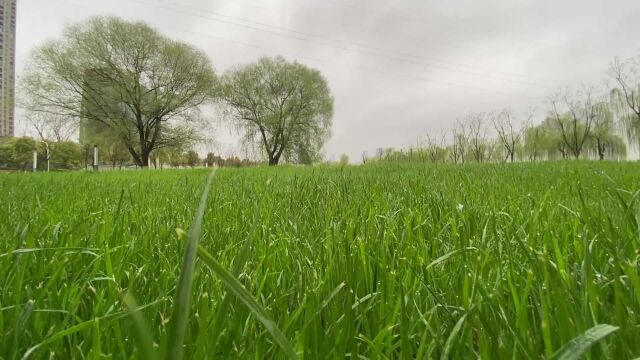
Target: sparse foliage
<point>510,131</point>
<point>626,96</point>
<point>574,116</point>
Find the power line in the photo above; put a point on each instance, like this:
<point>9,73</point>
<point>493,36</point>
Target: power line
<point>412,19</point>
<point>305,37</point>
<point>376,70</point>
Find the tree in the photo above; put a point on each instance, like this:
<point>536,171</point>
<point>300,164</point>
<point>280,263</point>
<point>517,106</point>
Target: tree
<point>66,154</point>
<point>210,159</point>
<point>175,156</point>
<point>627,94</point>
<point>283,108</point>
<point>51,126</point>
<point>344,159</point>
<point>115,152</point>
<point>365,157</point>
<point>125,76</point>
<point>111,147</point>
<point>475,132</point>
<point>435,149</point>
<point>17,152</point>
<point>459,145</point>
<point>192,158</point>
<point>553,145</point>
<point>533,140</point>
<point>602,139</point>
<point>509,132</point>
<point>575,124</point>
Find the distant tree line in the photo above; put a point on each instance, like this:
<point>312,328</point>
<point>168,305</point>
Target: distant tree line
<point>17,154</point>
<point>580,124</point>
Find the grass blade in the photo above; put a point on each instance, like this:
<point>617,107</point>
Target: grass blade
<point>233,285</point>
<point>452,337</point>
<point>446,257</point>
<point>221,311</point>
<point>81,326</point>
<point>575,348</point>
<point>180,315</point>
<point>141,333</point>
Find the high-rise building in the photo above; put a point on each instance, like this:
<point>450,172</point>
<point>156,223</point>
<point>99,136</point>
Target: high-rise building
<point>7,66</point>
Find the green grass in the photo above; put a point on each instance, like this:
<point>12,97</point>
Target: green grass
<point>380,261</point>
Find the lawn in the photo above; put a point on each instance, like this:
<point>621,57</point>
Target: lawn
<point>377,261</point>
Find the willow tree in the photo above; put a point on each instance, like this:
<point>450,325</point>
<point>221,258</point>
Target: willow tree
<point>125,76</point>
<point>576,122</point>
<point>283,108</point>
<point>626,95</point>
<point>603,140</point>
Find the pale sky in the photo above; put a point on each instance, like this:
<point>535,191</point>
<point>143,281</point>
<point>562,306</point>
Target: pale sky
<point>397,69</point>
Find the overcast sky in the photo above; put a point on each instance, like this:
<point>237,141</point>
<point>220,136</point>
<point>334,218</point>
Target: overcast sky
<point>397,69</point>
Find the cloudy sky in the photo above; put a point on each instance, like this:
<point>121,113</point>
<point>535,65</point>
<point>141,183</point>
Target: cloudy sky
<point>398,69</point>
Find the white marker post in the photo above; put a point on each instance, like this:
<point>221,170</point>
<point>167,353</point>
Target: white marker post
<point>46,144</point>
<point>35,161</point>
<point>95,157</point>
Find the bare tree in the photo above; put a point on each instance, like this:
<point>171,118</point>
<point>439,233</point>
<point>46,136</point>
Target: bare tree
<point>436,148</point>
<point>459,143</point>
<point>52,127</point>
<point>576,122</point>
<point>510,133</point>
<point>476,134</point>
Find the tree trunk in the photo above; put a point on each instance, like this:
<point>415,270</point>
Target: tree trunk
<point>144,156</point>
<point>601,149</point>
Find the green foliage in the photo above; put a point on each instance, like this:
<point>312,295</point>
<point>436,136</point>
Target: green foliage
<point>17,153</point>
<point>578,346</point>
<point>121,76</point>
<point>284,109</point>
<point>192,158</point>
<point>376,261</point>
<point>66,154</point>
<point>344,159</point>
<point>182,299</point>
<point>625,97</point>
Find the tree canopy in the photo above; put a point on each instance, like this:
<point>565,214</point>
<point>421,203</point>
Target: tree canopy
<point>125,76</point>
<point>283,108</point>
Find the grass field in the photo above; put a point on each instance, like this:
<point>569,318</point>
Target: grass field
<point>377,261</point>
